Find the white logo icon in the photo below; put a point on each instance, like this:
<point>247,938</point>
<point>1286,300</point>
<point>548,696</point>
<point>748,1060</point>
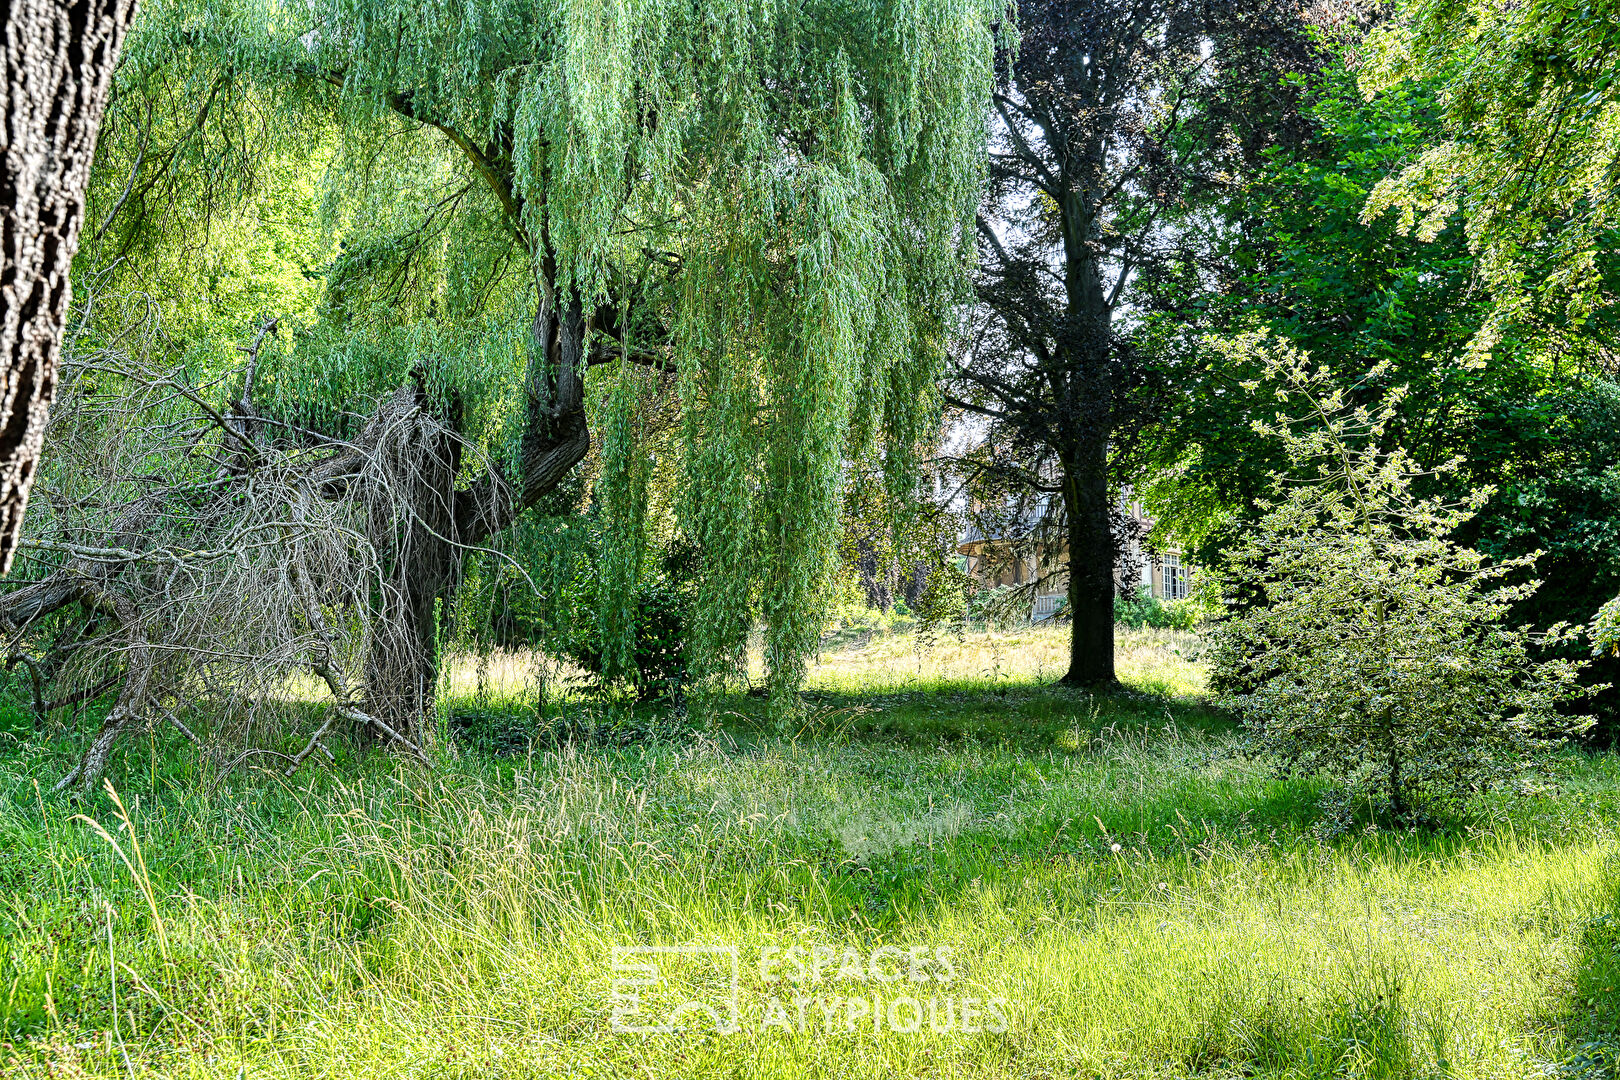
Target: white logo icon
<point>636,969</point>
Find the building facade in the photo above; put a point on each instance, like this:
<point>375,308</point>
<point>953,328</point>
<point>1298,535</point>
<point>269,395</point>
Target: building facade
<point>1028,551</point>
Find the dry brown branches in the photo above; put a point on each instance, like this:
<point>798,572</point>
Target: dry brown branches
<point>201,566</point>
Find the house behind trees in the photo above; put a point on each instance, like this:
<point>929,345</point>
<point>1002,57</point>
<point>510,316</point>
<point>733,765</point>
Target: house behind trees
<point>1025,550</point>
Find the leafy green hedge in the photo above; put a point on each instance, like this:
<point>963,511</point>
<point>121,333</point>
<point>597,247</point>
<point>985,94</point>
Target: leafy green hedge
<point>1144,609</point>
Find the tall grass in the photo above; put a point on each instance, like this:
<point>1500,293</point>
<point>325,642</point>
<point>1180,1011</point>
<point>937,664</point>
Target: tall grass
<point>1147,900</point>
<point>1159,661</point>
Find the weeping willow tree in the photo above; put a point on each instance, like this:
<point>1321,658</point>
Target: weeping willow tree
<point>765,204</point>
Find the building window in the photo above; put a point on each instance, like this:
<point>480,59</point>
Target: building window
<point>1175,578</point>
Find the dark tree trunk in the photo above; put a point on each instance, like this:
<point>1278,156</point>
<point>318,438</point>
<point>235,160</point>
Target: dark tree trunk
<point>424,553</point>
<point>914,584</point>
<point>59,61</point>
<point>1084,393</point>
<point>1091,569</point>
<point>874,577</point>
<point>416,537</point>
<point>555,436</point>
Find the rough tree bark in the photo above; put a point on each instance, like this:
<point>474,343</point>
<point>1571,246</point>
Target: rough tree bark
<point>59,60</point>
<point>1091,567</point>
<point>403,665</point>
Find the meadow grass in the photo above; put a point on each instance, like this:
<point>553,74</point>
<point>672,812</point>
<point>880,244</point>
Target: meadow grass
<point>1138,895</point>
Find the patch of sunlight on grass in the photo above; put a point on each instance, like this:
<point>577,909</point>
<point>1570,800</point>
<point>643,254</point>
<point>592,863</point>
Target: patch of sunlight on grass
<point>1142,900</point>
<point>1159,661</point>
<point>507,676</point>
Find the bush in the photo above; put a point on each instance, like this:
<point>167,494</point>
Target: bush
<point>1143,609</point>
<point>658,658</point>
<point>1362,642</point>
<point>564,613</point>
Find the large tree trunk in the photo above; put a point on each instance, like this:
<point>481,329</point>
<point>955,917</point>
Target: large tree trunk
<point>59,61</point>
<point>412,524</point>
<point>1085,406</point>
<point>423,548</point>
<point>1091,568</point>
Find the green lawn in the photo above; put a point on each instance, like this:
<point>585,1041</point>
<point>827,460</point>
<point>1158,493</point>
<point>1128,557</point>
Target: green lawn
<point>1112,876</point>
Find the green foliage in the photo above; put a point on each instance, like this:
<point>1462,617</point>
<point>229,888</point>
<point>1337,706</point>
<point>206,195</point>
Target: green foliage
<point>551,589</point>
<point>1606,628</point>
<point>1143,609</point>
<point>624,603</point>
<point>944,600</point>
<point>1288,249</point>
<point>897,551</point>
<point>655,661</point>
<point>1362,641</point>
<point>1555,460</point>
<point>1530,149</point>
<point>1528,159</point>
<point>16,720</point>
<point>768,201</point>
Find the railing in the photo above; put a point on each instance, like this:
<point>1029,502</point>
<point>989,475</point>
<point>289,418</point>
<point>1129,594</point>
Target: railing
<point>1045,607</point>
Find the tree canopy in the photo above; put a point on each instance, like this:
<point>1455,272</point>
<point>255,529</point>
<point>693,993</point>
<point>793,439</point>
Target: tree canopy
<point>766,201</point>
<point>1529,152</point>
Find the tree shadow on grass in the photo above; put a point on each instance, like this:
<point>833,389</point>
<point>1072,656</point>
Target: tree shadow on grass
<point>1367,1033</point>
<point>1032,715</point>
<point>1589,1018</point>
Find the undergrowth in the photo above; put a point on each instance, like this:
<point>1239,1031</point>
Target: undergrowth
<point>1145,897</point>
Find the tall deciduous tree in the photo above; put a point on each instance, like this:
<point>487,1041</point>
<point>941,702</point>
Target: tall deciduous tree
<point>1110,113</point>
<point>1288,248</point>
<point>1531,156</point>
<point>1531,148</point>
<point>767,203</point>
<point>59,60</point>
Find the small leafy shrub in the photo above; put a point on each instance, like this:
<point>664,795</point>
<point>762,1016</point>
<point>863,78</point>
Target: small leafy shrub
<point>658,652</point>
<point>1361,641</point>
<point>1606,628</point>
<point>566,606</point>
<point>1142,609</point>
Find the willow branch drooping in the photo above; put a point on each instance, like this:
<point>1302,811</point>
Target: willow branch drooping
<point>812,170</point>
